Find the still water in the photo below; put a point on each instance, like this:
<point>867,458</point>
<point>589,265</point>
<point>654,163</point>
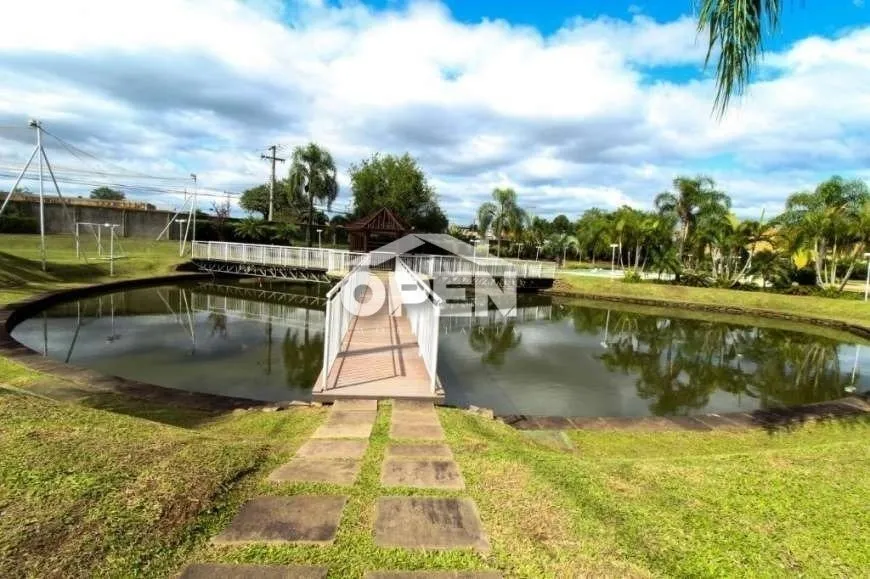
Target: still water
<point>558,358</point>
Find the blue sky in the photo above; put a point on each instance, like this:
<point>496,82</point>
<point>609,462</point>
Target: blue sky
<point>575,104</point>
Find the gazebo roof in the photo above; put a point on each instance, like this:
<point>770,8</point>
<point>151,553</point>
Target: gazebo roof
<point>381,220</point>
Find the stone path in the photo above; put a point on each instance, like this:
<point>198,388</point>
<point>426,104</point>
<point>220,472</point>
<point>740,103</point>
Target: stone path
<point>416,457</point>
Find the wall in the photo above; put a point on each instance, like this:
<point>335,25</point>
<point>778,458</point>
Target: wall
<point>133,222</point>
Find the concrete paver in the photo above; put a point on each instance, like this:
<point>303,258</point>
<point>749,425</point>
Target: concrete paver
<point>341,471</point>
<point>326,448</point>
<point>298,519</point>
<point>221,571</point>
<point>421,473</point>
<point>428,523</point>
<point>418,450</point>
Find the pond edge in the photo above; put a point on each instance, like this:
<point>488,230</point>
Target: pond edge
<point>771,419</point>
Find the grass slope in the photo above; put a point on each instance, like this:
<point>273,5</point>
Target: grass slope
<point>850,311</point>
<point>108,487</point>
<point>21,272</point>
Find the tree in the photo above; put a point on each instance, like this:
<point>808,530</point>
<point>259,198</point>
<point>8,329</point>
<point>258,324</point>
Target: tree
<point>399,184</point>
<point>501,212</point>
<point>693,197</point>
<point>312,174</point>
<point>834,222</point>
<point>735,31</point>
<point>561,224</point>
<point>559,244</point>
<point>107,194</point>
<point>250,229</point>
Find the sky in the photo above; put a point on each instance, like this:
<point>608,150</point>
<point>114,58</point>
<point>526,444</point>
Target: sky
<point>573,103</point>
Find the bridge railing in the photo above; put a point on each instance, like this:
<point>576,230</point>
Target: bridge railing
<point>278,255</point>
<point>341,307</point>
<point>338,260</point>
<point>423,309</point>
<point>433,265</point>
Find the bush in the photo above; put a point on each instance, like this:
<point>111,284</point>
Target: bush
<point>804,276</point>
<point>18,224</point>
<point>632,276</point>
<point>695,278</point>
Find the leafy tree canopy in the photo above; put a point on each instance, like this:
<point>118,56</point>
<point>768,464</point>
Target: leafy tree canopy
<point>107,194</point>
<point>399,184</point>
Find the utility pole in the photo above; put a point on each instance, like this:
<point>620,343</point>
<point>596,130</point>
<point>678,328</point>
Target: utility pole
<point>273,157</point>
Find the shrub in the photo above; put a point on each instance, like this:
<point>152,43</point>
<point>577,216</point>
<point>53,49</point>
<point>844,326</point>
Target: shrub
<point>18,224</point>
<point>695,278</point>
<point>632,276</point>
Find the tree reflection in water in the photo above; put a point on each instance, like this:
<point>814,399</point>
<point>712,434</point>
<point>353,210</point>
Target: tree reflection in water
<point>494,341</point>
<point>303,357</point>
<point>680,363</point>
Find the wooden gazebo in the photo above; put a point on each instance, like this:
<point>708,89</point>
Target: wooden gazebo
<point>376,230</point>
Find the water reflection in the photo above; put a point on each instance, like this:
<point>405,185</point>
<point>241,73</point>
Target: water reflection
<point>588,361</point>
<point>265,341</point>
<point>219,338</point>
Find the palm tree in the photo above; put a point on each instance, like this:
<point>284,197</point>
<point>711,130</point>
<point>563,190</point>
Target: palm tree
<point>502,212</point>
<point>834,222</point>
<point>285,232</point>
<point>735,31</point>
<point>693,197</point>
<point>312,172</point>
<point>249,228</point>
<point>560,243</point>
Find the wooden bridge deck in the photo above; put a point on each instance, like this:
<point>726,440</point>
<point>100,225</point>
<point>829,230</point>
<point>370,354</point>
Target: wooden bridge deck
<point>379,358</point>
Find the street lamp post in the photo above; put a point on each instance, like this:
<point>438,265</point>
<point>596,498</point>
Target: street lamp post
<point>867,279</point>
<point>613,247</point>
<point>538,254</point>
<point>319,244</point>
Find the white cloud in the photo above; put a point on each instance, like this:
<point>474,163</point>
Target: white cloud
<point>583,117</point>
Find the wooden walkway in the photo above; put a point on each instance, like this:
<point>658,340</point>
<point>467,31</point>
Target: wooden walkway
<point>379,359</point>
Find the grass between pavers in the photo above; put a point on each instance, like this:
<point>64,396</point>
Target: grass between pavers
<point>85,492</point>
<point>354,551</point>
<point>843,310</point>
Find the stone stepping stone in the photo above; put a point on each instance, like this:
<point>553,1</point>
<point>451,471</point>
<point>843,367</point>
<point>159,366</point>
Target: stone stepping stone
<point>325,448</point>
<point>415,418</point>
<point>421,474</point>
<point>299,519</point>
<point>347,424</point>
<point>340,471</point>
<point>418,450</point>
<point>355,404</point>
<point>412,406</point>
<point>220,571</point>
<point>416,431</point>
<point>433,575</point>
<point>429,523</point>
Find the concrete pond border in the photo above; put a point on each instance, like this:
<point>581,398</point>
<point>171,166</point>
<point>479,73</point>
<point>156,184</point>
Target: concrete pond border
<point>774,418</point>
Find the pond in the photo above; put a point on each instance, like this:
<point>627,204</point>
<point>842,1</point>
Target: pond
<point>558,357</point>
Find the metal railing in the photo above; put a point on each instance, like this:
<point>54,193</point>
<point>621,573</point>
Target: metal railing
<point>339,260</point>
<point>341,308</point>
<point>422,306</point>
<point>288,256</point>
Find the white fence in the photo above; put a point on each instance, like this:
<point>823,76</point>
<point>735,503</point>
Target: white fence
<point>278,314</point>
<point>423,309</point>
<point>341,307</point>
<point>338,260</point>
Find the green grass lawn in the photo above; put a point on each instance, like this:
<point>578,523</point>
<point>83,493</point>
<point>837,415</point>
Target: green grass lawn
<point>112,486</point>
<point>21,272</point>
<point>843,310</point>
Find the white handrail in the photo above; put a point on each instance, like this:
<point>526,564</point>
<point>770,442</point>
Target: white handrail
<point>341,307</point>
<point>339,260</point>
<point>423,308</point>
